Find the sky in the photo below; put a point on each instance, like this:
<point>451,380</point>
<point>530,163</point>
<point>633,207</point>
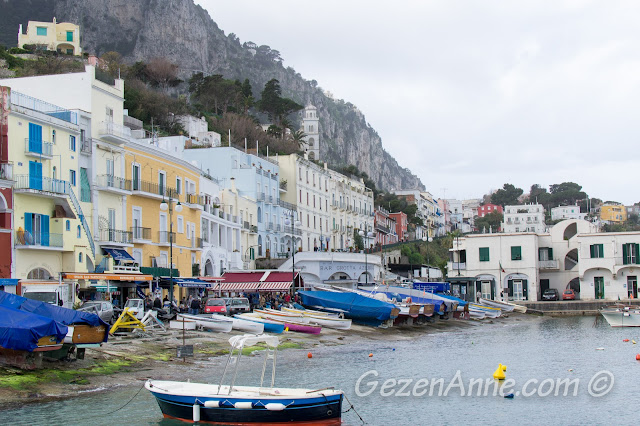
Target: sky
<point>470,95</point>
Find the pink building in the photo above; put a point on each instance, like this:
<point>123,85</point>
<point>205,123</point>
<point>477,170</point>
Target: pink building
<point>401,224</point>
<point>6,190</point>
<point>385,227</point>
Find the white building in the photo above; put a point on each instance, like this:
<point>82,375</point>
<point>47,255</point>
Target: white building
<point>567,212</point>
<point>524,218</point>
<point>571,255</point>
<point>311,128</point>
<point>198,130</point>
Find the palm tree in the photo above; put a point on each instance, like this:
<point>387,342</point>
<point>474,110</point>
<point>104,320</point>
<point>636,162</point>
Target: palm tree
<point>299,137</point>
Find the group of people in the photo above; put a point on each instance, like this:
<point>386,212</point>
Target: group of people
<point>276,300</point>
<point>194,305</point>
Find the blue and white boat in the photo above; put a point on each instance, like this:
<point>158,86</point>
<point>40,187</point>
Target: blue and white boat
<point>360,309</point>
<point>269,326</point>
<point>231,404</point>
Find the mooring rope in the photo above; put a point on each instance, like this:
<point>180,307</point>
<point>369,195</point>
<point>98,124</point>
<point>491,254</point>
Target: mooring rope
<point>354,409</point>
<point>128,402</point>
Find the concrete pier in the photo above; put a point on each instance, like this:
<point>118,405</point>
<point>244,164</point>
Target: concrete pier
<point>573,307</point>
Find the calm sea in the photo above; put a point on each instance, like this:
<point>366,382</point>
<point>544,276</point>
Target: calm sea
<point>563,371</point>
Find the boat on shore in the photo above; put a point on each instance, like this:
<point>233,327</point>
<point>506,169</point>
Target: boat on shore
<point>269,326</point>
<point>504,306</point>
<point>293,325</point>
<point>29,332</point>
<point>621,316</point>
<point>242,324</point>
<point>360,309</point>
<point>324,320</point>
<point>221,325</point>
<point>231,404</point>
<point>281,315</point>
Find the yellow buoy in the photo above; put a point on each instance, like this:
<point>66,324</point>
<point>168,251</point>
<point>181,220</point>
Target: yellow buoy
<point>499,373</point>
<point>633,341</point>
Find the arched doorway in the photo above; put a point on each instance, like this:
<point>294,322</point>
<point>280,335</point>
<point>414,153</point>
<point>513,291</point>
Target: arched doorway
<point>208,268</point>
<point>574,285</point>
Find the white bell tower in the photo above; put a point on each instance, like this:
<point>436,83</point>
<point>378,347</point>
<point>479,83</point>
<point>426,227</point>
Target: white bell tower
<point>310,126</point>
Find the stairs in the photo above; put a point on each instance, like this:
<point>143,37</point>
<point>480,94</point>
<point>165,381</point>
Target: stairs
<point>85,225</point>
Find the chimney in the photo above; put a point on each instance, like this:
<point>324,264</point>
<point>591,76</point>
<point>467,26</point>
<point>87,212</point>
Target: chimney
<point>233,185</point>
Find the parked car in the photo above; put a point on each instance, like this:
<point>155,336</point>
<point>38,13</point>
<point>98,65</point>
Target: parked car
<point>237,305</point>
<point>550,294</point>
<point>568,294</point>
<point>101,308</point>
<point>215,306</point>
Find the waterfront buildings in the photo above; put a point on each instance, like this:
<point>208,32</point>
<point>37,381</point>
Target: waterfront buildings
<point>567,212</point>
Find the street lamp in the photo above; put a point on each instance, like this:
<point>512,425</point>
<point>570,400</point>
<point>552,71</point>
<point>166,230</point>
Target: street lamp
<point>164,206</point>
<point>293,224</point>
<point>366,236</point>
<point>427,240</point>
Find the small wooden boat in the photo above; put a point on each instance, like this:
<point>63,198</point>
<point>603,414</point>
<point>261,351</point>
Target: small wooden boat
<point>231,404</point>
<point>242,324</point>
<point>331,322</point>
<point>269,326</point>
<point>311,312</point>
<point>506,307</point>
<point>277,315</point>
<point>221,325</point>
<point>300,327</point>
<point>488,311</point>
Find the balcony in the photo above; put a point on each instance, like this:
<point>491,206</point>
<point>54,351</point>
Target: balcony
<point>114,133</point>
<point>196,243</point>
<point>116,236</point>
<point>156,191</point>
<point>113,184</point>
<point>166,237</point>
<point>38,148</point>
<point>261,196</point>
<point>193,200</point>
<point>457,266</point>
<point>286,205</point>
<point>253,229</point>
<point>38,240</point>
<point>41,185</point>
<point>6,171</point>
<point>270,226</point>
<point>283,185</point>
<point>548,265</point>
<point>140,235</point>
<point>382,228</point>
<point>86,146</point>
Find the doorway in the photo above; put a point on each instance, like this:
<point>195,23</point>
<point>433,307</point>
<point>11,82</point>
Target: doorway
<point>632,287</point>
<point>598,284</point>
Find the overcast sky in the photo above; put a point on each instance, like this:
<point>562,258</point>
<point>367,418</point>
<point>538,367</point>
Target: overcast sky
<point>470,95</point>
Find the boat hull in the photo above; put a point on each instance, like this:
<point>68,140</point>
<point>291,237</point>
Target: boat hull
<point>269,326</point>
<point>621,317</point>
<point>297,408</point>
<point>208,322</point>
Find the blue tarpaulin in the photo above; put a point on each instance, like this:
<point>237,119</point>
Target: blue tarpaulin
<point>359,308</point>
<point>21,331</point>
<point>62,315</point>
<point>119,255</point>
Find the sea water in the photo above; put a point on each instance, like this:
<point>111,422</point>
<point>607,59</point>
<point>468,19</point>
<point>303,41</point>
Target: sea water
<point>559,371</point>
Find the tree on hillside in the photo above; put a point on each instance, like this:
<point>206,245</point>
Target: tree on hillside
<point>490,221</point>
<point>507,196</point>
<point>538,195</point>
<point>213,92</point>
<point>113,64</point>
<point>162,73</point>
<point>566,193</point>
<point>275,106</point>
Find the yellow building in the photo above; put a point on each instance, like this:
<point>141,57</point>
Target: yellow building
<point>154,176</point>
<point>63,37</point>
<point>613,213</point>
<point>51,232</point>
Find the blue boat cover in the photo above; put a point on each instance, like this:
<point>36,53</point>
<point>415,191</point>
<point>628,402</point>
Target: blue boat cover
<point>456,299</point>
<point>432,287</point>
<point>62,315</point>
<point>359,308</point>
<point>21,331</point>
<point>438,305</point>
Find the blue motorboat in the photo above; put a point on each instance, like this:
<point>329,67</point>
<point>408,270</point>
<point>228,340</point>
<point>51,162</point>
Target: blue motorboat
<point>24,331</point>
<point>231,404</point>
<point>360,309</point>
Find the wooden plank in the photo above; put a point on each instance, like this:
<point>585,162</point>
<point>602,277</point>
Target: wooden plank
<point>88,334</point>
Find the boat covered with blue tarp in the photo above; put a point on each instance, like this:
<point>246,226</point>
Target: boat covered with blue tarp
<point>64,316</point>
<point>22,331</point>
<point>361,309</point>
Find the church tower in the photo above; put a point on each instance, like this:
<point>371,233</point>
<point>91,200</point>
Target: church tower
<point>310,126</point>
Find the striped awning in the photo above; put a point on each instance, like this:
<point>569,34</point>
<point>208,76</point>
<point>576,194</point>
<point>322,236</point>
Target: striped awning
<point>276,286</point>
<point>238,286</point>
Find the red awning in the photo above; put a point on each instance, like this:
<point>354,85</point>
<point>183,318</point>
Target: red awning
<point>238,286</point>
<point>276,286</point>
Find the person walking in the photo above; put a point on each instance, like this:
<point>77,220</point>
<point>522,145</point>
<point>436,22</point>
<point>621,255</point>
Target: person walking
<point>195,306</point>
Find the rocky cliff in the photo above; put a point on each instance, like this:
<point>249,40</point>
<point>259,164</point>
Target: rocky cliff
<point>185,34</point>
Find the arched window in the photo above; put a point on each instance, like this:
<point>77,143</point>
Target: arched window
<point>259,245</point>
<point>39,274</point>
<point>259,214</point>
<point>80,257</point>
<point>79,232</point>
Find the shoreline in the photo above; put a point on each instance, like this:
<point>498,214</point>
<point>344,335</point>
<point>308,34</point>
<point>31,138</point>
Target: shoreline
<point>127,361</point>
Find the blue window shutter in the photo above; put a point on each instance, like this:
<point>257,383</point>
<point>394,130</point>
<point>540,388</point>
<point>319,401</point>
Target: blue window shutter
<point>44,226</point>
<point>35,175</point>
<point>35,138</point>
<point>28,225</point>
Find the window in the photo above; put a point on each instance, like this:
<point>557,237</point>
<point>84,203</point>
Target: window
<point>484,254</point>
<point>178,185</point>
<point>188,230</point>
<point>53,137</point>
<point>545,253</point>
<point>79,232</point>
<point>630,254</point>
<point>301,195</point>
<point>72,177</point>
<point>596,251</point>
<point>69,35</point>
<point>516,253</point>
<point>72,143</point>
<point>68,225</point>
<point>41,31</point>
<point>180,224</point>
<point>161,182</point>
<point>79,257</point>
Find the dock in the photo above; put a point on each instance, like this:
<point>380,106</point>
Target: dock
<point>573,307</point>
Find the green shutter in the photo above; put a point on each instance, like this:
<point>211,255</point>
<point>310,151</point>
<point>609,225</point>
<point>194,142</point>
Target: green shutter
<point>592,249</point>
<point>524,289</point>
<point>510,284</point>
<point>550,253</point>
<point>637,254</point>
<point>516,253</point>
<point>484,254</point>
<point>625,254</point>
<point>601,251</point>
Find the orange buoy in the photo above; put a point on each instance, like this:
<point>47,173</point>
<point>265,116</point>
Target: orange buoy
<point>637,357</point>
<point>625,340</point>
<point>370,355</point>
<point>309,355</point>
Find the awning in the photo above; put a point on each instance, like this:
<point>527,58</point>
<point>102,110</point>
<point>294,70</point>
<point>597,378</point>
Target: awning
<point>238,286</point>
<point>112,277</point>
<point>119,255</point>
<point>9,281</point>
<point>276,286</point>
<point>186,282</point>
